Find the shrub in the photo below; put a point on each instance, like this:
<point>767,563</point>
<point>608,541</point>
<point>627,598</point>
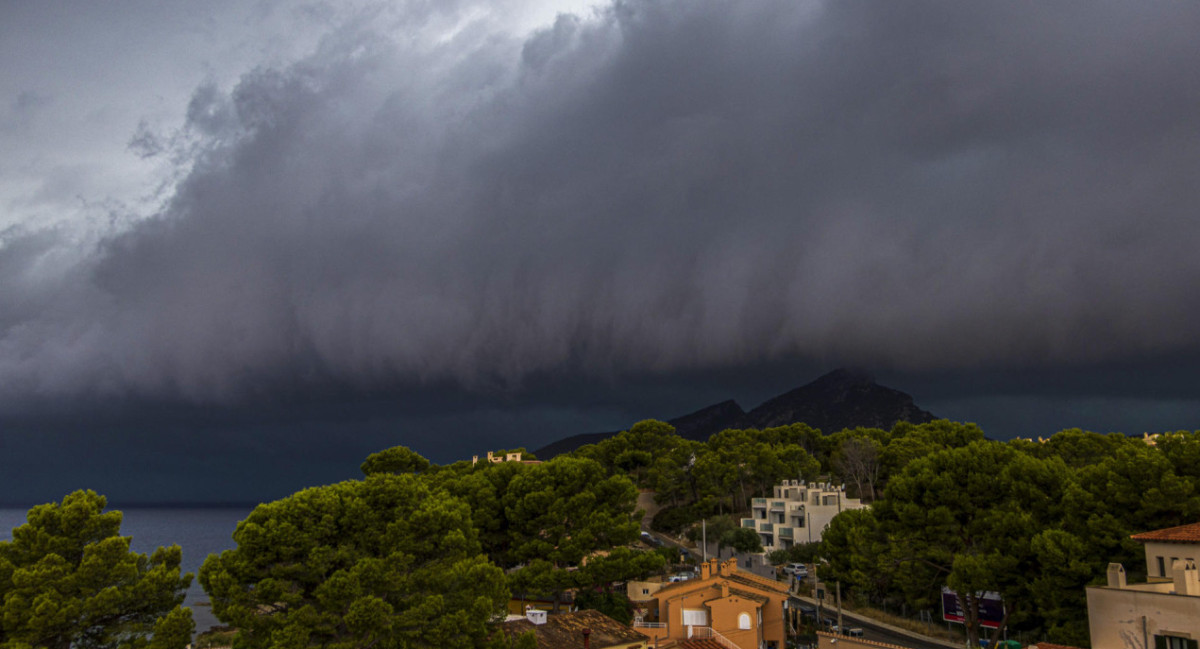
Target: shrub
<point>673,520</point>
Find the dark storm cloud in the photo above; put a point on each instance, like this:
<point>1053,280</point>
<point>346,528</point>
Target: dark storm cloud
<point>660,187</point>
<point>21,110</point>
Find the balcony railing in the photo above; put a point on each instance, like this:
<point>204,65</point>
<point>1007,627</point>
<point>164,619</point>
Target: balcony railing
<point>785,532</point>
<point>766,527</point>
<point>759,502</point>
<point>649,625</point>
<point>778,504</point>
<point>748,522</point>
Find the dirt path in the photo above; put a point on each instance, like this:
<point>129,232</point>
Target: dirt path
<point>646,502</point>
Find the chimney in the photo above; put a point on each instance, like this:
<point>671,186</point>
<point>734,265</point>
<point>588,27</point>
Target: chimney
<point>705,570</point>
<point>724,589</point>
<point>587,639</point>
<point>1116,575</point>
<point>1186,577</point>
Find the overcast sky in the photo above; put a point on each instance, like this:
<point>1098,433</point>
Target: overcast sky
<point>244,244</point>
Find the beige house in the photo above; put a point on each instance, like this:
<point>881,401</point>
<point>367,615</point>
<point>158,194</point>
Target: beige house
<point>507,457</point>
<point>1164,612</point>
<point>798,513</point>
<point>643,598</point>
<point>644,591</point>
<point>724,605</point>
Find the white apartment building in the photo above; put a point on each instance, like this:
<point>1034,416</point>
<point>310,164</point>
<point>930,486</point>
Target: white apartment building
<point>798,513</point>
<point>1164,612</point>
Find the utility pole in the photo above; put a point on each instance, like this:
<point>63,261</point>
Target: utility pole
<point>839,603</point>
<point>704,537</point>
<point>819,591</point>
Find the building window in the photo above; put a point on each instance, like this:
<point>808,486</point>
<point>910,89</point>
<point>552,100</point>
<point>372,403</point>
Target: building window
<point>744,621</point>
<point>695,617</point>
<point>1162,567</point>
<point>645,591</point>
<point>1173,642</point>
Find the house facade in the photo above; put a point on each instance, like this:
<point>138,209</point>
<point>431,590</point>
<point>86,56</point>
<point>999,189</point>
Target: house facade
<point>514,456</point>
<point>798,513</point>
<point>724,603</point>
<point>1164,612</point>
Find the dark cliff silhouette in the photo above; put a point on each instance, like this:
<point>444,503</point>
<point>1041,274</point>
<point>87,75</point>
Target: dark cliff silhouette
<point>840,399</point>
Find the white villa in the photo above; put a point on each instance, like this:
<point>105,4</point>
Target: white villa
<point>798,513</point>
<point>1164,612</point>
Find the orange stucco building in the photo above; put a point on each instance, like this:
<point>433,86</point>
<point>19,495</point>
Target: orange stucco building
<point>740,606</point>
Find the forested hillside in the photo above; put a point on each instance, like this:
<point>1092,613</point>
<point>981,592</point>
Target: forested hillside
<point>1036,521</point>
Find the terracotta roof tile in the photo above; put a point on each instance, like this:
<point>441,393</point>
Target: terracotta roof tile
<point>755,581</point>
<point>1181,534</point>
<point>1047,645</point>
<point>745,594</point>
<point>700,644</point>
<point>758,581</point>
<point>565,631</point>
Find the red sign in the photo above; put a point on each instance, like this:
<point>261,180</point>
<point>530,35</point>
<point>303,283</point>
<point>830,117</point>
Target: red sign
<point>991,609</point>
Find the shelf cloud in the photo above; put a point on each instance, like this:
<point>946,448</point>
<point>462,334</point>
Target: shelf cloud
<point>648,187</point>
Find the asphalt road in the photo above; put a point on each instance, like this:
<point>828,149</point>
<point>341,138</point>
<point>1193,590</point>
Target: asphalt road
<point>876,632</point>
<point>880,634</point>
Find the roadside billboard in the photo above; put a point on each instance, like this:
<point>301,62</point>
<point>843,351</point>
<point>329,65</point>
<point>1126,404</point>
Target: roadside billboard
<point>991,609</point>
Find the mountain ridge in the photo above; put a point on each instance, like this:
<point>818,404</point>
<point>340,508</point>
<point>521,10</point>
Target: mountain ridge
<point>843,398</point>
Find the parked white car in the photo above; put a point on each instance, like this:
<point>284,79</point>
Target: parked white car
<point>797,570</point>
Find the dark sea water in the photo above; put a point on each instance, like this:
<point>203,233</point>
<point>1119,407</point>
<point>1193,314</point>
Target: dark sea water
<point>198,531</point>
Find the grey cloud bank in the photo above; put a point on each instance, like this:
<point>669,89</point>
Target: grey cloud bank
<point>648,189</point>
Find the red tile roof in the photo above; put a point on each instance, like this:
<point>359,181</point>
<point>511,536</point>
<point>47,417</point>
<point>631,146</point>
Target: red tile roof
<point>737,592</point>
<point>751,579</point>
<point>1181,534</point>
<point>1047,645</point>
<point>565,631</point>
<point>700,644</point>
